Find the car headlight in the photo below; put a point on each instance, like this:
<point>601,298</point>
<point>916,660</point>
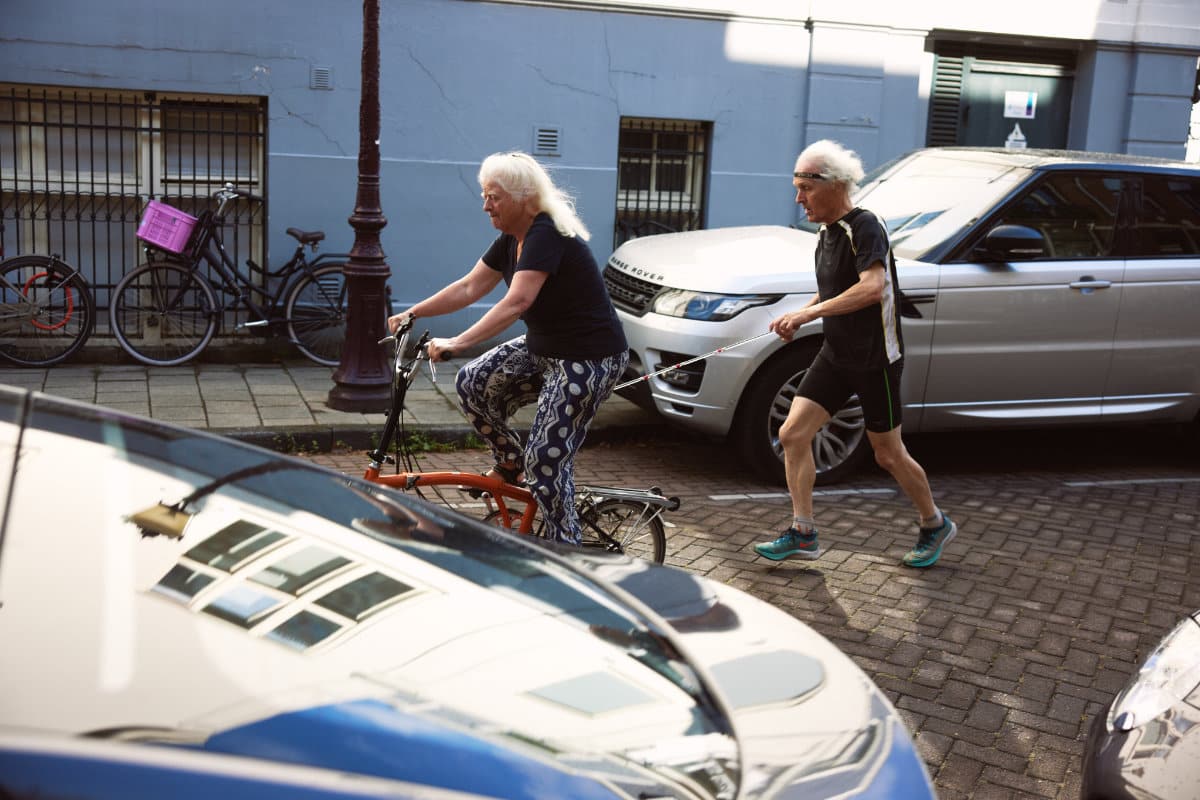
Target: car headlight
<point>1170,674</point>
<point>707,306</point>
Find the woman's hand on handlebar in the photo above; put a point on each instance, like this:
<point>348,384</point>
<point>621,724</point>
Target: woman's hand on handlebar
<point>440,349</point>
<point>398,321</point>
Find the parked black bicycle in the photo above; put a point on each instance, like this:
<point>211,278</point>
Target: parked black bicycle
<point>166,311</point>
<point>47,311</point>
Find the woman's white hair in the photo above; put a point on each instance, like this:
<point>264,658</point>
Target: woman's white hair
<point>521,176</point>
<point>833,162</point>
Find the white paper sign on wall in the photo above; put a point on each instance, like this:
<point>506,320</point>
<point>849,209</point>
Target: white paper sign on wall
<point>1020,105</point>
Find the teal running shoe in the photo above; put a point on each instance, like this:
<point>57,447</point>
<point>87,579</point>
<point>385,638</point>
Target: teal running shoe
<point>790,543</point>
<point>930,544</point>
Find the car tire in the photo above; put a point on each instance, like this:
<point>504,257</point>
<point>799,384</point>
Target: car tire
<point>840,446</point>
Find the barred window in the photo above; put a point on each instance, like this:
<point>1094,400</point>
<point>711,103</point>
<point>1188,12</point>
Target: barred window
<point>206,141</point>
<point>662,167</point>
<point>78,165</point>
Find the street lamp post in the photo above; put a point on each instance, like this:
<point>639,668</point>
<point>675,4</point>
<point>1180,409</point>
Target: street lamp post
<point>362,382</point>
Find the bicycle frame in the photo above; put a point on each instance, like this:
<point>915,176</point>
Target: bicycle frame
<point>488,488</point>
<point>492,489</point>
<point>209,247</point>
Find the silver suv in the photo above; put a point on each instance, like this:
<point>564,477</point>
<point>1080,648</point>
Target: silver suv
<point>1039,288</point>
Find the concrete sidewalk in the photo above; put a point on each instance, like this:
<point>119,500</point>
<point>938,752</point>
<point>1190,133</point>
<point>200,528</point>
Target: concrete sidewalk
<point>280,405</point>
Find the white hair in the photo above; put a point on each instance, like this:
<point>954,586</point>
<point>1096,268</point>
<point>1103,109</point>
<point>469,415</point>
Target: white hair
<point>834,163</point>
<point>523,177</point>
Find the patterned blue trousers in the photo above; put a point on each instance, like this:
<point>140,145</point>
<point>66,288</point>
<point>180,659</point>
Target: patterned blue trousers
<point>568,393</point>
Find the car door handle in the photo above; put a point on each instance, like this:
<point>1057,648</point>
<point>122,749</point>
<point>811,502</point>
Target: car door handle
<point>1087,283</point>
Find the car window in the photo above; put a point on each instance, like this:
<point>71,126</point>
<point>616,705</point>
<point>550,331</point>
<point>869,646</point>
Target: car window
<point>1076,213</point>
<point>936,194</point>
<point>1169,221</point>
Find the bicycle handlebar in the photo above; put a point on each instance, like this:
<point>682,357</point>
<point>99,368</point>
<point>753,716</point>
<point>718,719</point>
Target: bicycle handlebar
<point>229,191</point>
<point>405,327</point>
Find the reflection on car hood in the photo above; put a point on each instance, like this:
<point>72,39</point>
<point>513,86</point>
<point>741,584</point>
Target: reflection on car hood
<point>758,259</point>
<point>809,722</point>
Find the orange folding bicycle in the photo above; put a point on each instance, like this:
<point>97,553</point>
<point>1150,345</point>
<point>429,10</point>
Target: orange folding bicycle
<point>612,519</point>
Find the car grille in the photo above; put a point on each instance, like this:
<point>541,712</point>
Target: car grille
<point>629,293</point>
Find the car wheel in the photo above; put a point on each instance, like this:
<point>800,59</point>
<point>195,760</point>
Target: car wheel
<point>839,447</point>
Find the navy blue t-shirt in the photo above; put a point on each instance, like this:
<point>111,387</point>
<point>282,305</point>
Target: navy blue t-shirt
<point>572,316</point>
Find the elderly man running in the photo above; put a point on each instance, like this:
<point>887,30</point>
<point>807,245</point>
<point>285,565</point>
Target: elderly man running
<point>862,354</point>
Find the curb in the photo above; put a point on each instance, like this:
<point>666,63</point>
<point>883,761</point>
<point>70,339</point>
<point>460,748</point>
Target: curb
<point>326,439</point>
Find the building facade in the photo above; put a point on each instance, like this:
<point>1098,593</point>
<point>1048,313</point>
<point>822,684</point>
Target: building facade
<point>656,115</point>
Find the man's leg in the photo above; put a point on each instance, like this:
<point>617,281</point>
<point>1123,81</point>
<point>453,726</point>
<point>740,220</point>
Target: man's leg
<point>893,456</point>
<point>796,435</point>
<point>936,529</point>
<point>804,419</point>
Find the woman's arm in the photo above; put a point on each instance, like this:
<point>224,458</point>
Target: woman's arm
<point>458,295</point>
<point>520,296</point>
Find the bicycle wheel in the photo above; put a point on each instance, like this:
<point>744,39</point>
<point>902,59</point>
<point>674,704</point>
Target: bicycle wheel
<point>46,310</point>
<point>624,526</point>
<point>316,314</point>
<point>163,314</point>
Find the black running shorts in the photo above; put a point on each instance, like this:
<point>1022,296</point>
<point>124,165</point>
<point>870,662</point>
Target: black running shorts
<point>878,390</point>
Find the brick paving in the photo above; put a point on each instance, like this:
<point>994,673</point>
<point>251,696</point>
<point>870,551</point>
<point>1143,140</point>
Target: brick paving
<point>1077,551</point>
<point>1076,554</point>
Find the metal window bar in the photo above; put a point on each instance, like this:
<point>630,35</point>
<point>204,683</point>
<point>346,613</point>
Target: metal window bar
<point>77,167</point>
<point>662,177</point>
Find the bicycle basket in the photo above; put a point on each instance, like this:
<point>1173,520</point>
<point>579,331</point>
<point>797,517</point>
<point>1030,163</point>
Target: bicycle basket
<point>166,227</point>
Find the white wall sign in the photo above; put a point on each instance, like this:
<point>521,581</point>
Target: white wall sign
<point>1020,105</point>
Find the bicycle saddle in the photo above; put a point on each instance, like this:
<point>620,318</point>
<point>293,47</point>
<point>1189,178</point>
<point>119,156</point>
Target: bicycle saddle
<point>306,237</point>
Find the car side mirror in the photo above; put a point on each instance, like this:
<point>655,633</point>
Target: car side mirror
<point>1011,243</point>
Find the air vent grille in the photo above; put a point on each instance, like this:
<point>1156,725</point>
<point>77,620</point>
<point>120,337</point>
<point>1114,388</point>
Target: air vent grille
<point>546,140</point>
<point>320,78</point>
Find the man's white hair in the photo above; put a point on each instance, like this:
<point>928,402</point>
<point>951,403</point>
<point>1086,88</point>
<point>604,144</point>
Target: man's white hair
<point>833,163</point>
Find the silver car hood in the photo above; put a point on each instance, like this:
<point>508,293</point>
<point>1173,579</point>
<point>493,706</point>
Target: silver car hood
<point>759,259</point>
<point>808,720</point>
<point>125,618</point>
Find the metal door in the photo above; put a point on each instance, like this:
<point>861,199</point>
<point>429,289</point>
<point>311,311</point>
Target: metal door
<point>983,95</point>
<point>1001,99</point>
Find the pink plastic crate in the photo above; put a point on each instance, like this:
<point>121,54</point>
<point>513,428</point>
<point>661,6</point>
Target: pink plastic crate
<point>166,227</point>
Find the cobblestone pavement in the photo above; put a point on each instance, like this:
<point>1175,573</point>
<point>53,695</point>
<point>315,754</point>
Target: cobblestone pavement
<point>1076,553</point>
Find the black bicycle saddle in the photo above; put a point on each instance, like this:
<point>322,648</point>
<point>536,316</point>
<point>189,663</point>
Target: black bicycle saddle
<point>306,237</point>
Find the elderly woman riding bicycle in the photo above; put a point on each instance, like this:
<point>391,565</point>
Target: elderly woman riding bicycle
<point>574,350</point>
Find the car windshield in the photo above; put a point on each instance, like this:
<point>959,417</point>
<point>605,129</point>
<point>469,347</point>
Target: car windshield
<point>935,193</point>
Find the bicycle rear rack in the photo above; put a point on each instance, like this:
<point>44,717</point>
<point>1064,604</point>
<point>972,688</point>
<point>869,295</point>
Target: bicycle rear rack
<point>652,496</point>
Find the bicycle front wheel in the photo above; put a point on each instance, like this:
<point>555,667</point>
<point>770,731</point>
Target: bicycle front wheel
<point>46,310</point>
<point>163,314</point>
<point>624,526</point>
<point>316,314</point>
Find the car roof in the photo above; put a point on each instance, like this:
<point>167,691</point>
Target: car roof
<point>1045,158</point>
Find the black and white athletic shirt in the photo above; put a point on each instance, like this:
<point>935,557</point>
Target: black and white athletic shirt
<point>870,337</point>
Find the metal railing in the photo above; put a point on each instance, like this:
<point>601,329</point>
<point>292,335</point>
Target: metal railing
<point>77,167</point>
<point>662,175</point>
